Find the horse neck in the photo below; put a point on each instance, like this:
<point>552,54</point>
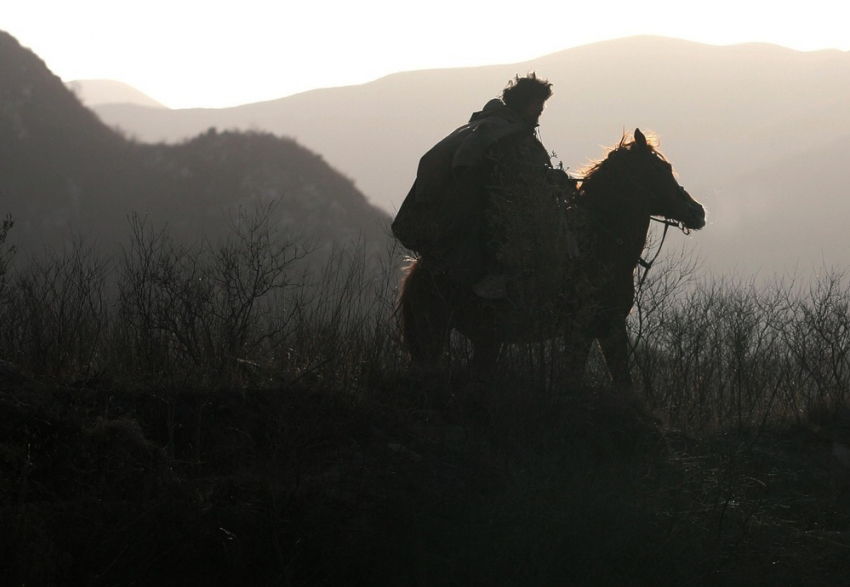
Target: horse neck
<point>615,216</point>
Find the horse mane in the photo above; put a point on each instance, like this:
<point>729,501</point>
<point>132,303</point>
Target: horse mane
<point>626,143</point>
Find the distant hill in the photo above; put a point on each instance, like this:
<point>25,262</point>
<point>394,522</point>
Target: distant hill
<point>63,172</point>
<point>746,126</point>
<point>96,92</point>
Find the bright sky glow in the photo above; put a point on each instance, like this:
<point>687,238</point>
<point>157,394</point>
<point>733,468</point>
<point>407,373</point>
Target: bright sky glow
<point>223,53</point>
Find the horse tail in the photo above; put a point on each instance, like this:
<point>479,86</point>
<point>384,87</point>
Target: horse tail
<point>422,314</point>
<point>407,301</point>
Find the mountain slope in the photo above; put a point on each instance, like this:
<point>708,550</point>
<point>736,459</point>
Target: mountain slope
<point>63,172</point>
<point>793,209</point>
<point>94,92</point>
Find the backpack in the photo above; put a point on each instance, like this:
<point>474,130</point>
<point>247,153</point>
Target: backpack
<point>443,197</point>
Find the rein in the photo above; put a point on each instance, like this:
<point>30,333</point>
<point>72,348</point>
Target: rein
<point>647,265</point>
<point>643,262</point>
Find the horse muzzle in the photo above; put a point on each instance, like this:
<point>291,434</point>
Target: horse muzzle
<point>693,216</point>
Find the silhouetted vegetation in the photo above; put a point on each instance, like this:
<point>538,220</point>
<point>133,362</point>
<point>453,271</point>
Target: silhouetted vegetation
<point>210,414</point>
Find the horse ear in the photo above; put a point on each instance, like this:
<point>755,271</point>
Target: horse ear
<point>640,139</point>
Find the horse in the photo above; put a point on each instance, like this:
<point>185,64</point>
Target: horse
<point>608,220</point>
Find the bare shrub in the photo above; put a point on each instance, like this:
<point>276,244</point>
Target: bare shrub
<point>816,336</point>
<point>206,307</point>
<point>5,227</point>
<point>346,323</point>
<point>720,353</point>
<point>55,313</point>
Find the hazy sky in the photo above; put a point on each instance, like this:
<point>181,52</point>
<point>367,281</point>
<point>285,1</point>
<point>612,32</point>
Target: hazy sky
<point>216,53</point>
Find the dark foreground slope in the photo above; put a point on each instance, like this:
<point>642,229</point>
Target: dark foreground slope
<point>64,174</point>
<point>309,484</point>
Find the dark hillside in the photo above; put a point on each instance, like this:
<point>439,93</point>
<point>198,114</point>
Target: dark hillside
<point>64,173</point>
<point>214,172</point>
<point>55,155</point>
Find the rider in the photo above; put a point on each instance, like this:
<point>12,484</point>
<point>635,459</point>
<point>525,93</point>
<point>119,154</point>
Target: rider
<point>474,181</point>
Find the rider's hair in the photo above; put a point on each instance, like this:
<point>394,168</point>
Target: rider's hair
<point>521,91</point>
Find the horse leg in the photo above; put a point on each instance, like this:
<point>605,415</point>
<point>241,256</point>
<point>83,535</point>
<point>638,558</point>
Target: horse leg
<point>615,347</point>
<point>477,395</point>
<point>485,356</point>
<point>576,351</point>
<point>425,333</point>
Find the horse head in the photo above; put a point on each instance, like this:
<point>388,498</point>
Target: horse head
<point>653,182</point>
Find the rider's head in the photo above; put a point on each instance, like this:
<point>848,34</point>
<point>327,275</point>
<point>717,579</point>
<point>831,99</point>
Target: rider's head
<point>527,95</point>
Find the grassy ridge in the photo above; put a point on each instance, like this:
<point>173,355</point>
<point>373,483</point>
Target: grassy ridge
<point>215,415</point>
